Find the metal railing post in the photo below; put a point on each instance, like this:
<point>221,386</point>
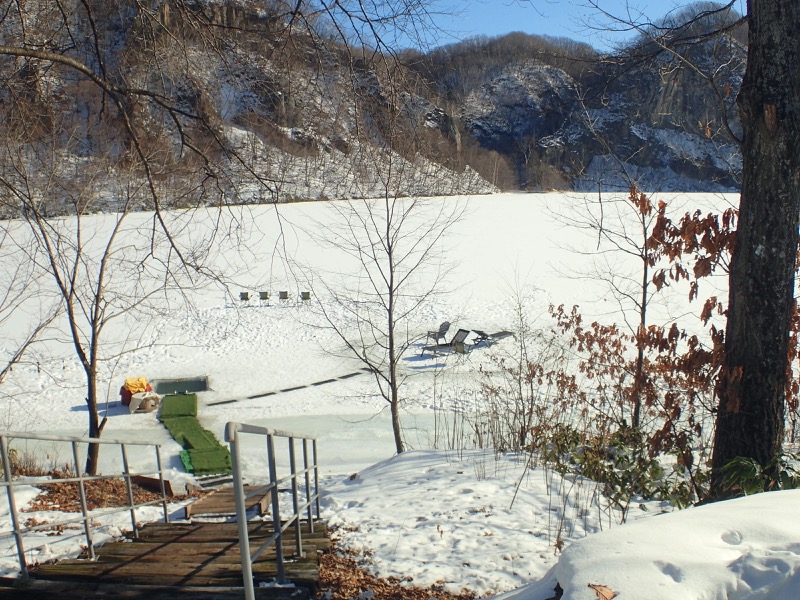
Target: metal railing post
<point>241,512</point>
<point>316,476</point>
<point>80,480</point>
<point>233,434</point>
<point>309,509</point>
<point>129,488</point>
<point>298,536</point>
<point>82,495</point>
<point>12,507</point>
<point>276,510</point>
<point>163,485</point>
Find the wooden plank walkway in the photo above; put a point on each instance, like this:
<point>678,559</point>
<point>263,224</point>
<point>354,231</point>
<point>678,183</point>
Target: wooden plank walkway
<point>179,560</point>
<point>221,502</point>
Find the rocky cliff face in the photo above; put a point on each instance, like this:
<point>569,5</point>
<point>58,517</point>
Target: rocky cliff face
<point>521,111</point>
<point>659,124</point>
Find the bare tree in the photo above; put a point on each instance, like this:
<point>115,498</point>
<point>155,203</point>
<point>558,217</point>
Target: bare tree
<point>95,266</point>
<point>395,257</point>
<point>395,251</point>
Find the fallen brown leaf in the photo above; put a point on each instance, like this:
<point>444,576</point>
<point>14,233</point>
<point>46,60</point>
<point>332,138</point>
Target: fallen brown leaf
<point>603,592</point>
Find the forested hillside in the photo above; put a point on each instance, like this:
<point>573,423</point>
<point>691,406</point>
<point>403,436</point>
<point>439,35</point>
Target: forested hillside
<point>209,102</point>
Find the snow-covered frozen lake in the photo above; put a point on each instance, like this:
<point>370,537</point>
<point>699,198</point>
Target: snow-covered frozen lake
<point>509,255</point>
<point>440,516</point>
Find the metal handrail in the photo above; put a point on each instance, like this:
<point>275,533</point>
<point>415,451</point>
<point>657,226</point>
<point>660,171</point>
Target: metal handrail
<point>298,478</point>
<point>10,482</point>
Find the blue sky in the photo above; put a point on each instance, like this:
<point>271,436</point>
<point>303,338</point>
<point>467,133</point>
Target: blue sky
<point>559,18</point>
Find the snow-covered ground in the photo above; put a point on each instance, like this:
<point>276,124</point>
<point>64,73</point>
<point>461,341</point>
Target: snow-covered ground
<point>435,515</point>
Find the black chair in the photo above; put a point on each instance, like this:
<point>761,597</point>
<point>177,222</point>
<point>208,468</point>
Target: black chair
<point>440,333</point>
<point>482,336</point>
<point>456,344</point>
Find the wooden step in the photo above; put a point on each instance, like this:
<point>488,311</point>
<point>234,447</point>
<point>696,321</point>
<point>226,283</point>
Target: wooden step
<point>35,589</point>
<point>221,531</point>
<point>181,555</point>
<point>301,573</point>
<point>156,552</point>
<point>200,533</point>
<point>226,528</point>
<point>221,502</point>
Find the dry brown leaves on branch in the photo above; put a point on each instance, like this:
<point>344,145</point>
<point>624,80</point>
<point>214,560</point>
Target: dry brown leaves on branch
<point>341,578</point>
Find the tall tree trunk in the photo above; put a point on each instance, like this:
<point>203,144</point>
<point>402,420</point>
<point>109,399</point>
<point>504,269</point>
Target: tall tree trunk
<point>95,425</point>
<point>399,446</point>
<point>751,389</point>
<point>394,393</point>
<point>394,385</point>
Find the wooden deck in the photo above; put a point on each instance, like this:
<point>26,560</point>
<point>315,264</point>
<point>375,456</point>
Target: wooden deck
<point>181,560</point>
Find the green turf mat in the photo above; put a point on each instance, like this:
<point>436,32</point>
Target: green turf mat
<point>179,405</point>
<point>206,462</point>
<point>201,439</point>
<point>202,453</point>
<point>179,425</point>
<point>189,434</point>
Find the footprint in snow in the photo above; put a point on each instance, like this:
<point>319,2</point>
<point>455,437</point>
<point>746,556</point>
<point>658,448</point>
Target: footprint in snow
<point>670,570</point>
<point>732,537</point>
